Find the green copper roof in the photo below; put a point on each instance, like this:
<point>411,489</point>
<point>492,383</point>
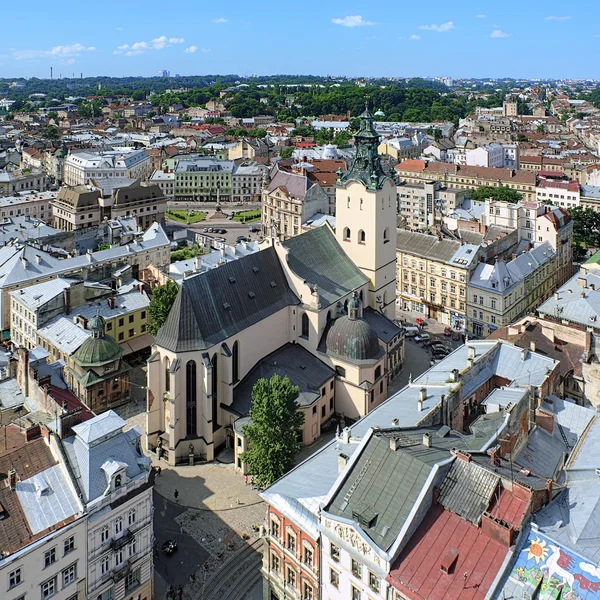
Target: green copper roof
<point>96,351</point>
<point>593,260</point>
<point>366,167</point>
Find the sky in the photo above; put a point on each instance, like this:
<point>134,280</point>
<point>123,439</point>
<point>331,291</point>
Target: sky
<point>396,38</point>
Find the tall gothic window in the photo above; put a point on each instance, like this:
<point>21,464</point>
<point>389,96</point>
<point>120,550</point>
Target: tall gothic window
<point>190,398</point>
<point>235,362</point>
<point>386,235</point>
<point>167,375</point>
<point>305,325</point>
<point>215,392</point>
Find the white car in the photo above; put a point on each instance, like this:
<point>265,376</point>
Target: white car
<point>424,337</point>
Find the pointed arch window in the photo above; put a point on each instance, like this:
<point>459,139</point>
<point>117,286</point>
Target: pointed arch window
<point>235,362</point>
<point>167,374</point>
<point>190,398</point>
<point>305,326</point>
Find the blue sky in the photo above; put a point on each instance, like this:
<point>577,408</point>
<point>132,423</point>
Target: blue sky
<point>387,38</point>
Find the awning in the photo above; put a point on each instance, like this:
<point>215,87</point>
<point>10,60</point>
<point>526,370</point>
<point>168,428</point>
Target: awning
<point>136,344</point>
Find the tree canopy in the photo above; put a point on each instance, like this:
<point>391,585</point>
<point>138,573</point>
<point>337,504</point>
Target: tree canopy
<point>500,194</point>
<point>275,429</point>
<point>162,300</point>
<point>586,230</point>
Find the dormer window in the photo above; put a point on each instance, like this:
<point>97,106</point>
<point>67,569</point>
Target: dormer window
<point>118,479</point>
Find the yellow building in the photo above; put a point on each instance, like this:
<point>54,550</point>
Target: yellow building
<point>432,276</point>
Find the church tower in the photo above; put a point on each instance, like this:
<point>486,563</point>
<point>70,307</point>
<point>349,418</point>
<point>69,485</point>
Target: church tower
<point>365,215</point>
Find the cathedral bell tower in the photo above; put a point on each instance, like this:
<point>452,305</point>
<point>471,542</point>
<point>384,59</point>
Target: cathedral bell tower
<point>365,215</point>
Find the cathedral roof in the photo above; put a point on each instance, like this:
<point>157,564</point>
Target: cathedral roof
<point>317,258</point>
<point>217,304</point>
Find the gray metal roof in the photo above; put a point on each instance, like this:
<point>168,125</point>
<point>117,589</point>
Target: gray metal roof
<point>544,453</point>
<point>568,304</point>
<point>219,303</point>
<point>569,417</point>
<point>385,328</point>
<point>317,258</point>
<point>426,246</point>
<point>467,490</point>
<point>383,485</point>
<point>97,444</point>
<point>35,296</point>
<point>47,498</point>
<point>303,369</point>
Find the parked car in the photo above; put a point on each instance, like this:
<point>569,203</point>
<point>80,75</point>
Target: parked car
<point>424,337</point>
<point>253,229</point>
<point>447,331</point>
<point>410,331</point>
<point>241,238</point>
<point>211,230</point>
<point>222,231</point>
<point>456,336</point>
<point>205,230</point>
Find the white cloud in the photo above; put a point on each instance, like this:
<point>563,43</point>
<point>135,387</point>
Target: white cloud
<point>558,18</point>
<point>59,52</point>
<point>191,49</point>
<point>414,36</point>
<point>205,50</point>
<point>157,43</point>
<point>481,16</point>
<point>352,21</point>
<point>220,20</point>
<point>443,27</point>
<point>498,33</point>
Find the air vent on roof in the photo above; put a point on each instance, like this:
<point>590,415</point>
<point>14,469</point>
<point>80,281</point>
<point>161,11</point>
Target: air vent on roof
<point>232,280</point>
<point>255,269</point>
<point>251,295</point>
<point>273,284</point>
<point>226,305</point>
<point>303,367</point>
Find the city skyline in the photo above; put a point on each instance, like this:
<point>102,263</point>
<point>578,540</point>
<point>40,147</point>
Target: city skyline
<point>347,39</point>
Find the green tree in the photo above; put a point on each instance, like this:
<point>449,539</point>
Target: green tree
<point>51,132</point>
<point>521,137</point>
<point>502,194</point>
<point>286,152</point>
<point>304,131</point>
<point>275,429</point>
<point>540,128</point>
<point>163,297</point>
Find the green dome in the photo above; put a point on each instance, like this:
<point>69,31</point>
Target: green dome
<point>354,339</point>
<point>97,322</point>
<point>96,351</point>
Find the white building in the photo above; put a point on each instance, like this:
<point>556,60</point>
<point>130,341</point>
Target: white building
<point>81,167</point>
<point>560,193</point>
<point>43,550</point>
<point>115,480</point>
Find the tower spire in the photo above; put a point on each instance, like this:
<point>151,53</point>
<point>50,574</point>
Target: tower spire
<point>366,166</point>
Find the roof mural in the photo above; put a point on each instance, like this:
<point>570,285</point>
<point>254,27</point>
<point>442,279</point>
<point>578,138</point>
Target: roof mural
<point>545,569</point>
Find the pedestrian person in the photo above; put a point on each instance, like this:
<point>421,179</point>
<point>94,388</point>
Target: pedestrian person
<point>245,479</point>
<point>159,470</point>
<point>176,494</point>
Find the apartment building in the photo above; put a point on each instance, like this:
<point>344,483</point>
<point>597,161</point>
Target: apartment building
<point>537,222</point>
<point>424,206</point>
<point>558,193</point>
<point>43,527</point>
<point>24,266</point>
<point>146,202</point>
<point>433,274</point>
<point>466,177</point>
<point>21,180</point>
<point>115,481</point>
<point>76,208</point>
<point>56,315</point>
<point>37,205</point>
<point>500,293</point>
<point>165,180</point>
<point>288,200</point>
<point>82,166</point>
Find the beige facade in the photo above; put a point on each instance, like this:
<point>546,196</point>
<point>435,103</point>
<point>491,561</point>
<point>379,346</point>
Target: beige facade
<point>76,208</point>
<point>22,180</point>
<point>147,203</point>
<point>366,230</point>
<point>37,206</point>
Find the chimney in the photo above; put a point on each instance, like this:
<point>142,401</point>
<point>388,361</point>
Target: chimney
<point>464,456</point>
<point>24,262</point>
<point>346,435</point>
<point>67,300</point>
<point>592,287</point>
<point>342,461</point>
<point>423,394</point>
<point>494,457</point>
<point>532,346</point>
<point>582,295</point>
<point>582,282</point>
<point>455,375</point>
<point>471,352</point>
<point>427,440</point>
<point>111,302</point>
<point>523,353</point>
<point>12,478</point>
<point>549,486</point>
<point>38,259</point>
<point>556,296</point>
<point>394,444</point>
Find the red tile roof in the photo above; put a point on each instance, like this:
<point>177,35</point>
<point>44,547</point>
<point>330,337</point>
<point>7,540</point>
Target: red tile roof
<point>509,508</point>
<point>61,396</point>
<point>417,574</point>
